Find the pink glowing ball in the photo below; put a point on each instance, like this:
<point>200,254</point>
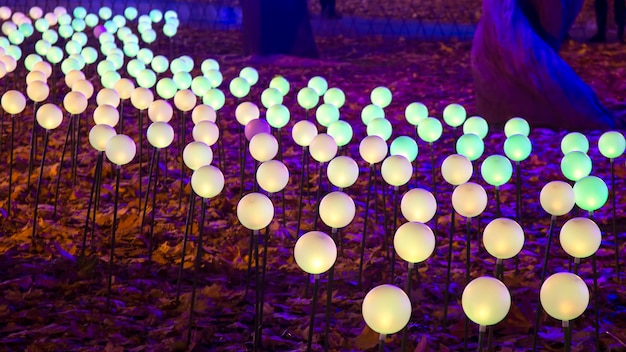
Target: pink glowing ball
<point>98,30</point>
<point>255,127</point>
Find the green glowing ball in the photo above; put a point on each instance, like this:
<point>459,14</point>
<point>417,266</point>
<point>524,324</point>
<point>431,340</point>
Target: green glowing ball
<point>166,88</point>
<point>415,112</point>
<point>200,85</point>
<point>159,64</point>
<point>144,26</point>
<point>335,96</point>
<point>119,20</point>
<point>131,39</point>
<point>454,115</point>
<point>109,78</point>
<point>271,96</point>
<point>476,125</point>
<point>591,193</point>
<point>131,49</point>
<point>106,37</point>
<point>319,85</point>
<point>170,29</point>
<point>64,19</point>
<point>149,36</point>
<point>110,26</point>
<point>612,144</point>
<point>214,98</point>
<point>249,74</point>
<point>80,38</point>
<point>516,125</point>
<point>277,116</point>
<point>26,29</point>
<point>69,64</point>
<point>134,67</point>
<point>107,47</point>
<point>4,42</point>
<point>173,21</point>
<point>73,47</point>
<point>79,58</point>
<point>41,25</point>
<point>574,141</point>
<point>54,55</point>
<point>31,60</point>
<point>116,59</point>
<point>517,147</point>
<point>170,14</point>
<point>156,15</point>
<point>215,77</point>
<point>105,13</point>
<point>429,129</point>
<point>90,54</point>
<point>182,79</point>
<point>80,12</point>
<point>239,87</point>
<point>177,65</point>
<point>496,170</point>
<point>280,83</point>
<point>371,112</point>
<point>51,36</point>
<point>380,127</point>
<point>14,51</point>
<point>188,62</point>
<point>326,114</point>
<point>91,20</point>
<point>130,13</point>
<point>42,47</point>
<point>105,66</point>
<point>470,145</point>
<point>123,32</point>
<point>308,98</point>
<point>341,131</point>
<point>576,165</point>
<point>381,96</point>
<point>145,55</point>
<point>78,25</point>
<point>146,78</point>
<point>16,37</point>
<point>405,146</point>
<point>208,65</point>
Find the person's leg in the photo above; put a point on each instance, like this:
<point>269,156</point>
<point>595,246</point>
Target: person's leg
<point>602,9</point>
<point>620,18</point>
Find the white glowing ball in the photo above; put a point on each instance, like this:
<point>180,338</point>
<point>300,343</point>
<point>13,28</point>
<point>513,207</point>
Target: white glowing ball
<point>160,110</point>
<point>108,96</point>
<point>49,116</point>
<point>580,237</point>
<point>414,242</point>
<point>43,67</point>
<point>34,76</point>
<point>185,100</point>
<point>203,112</point>
<point>255,211</point>
<point>106,115</point>
<point>75,103</point>
<point>263,147</point>
<point>386,309</point>
<point>557,198</point>
<point>207,181</point>
<point>160,134</point>
<point>99,136</point>
<point>323,148</point>
<point>564,296</point>
<point>469,199</point>
<point>342,171</point>
<point>125,88</point>
<point>206,131</point>
<point>456,169</point>
<point>72,77</point>
<point>315,252</point>
<point>13,102</point>
<point>396,170</point>
<point>37,91</point>
<point>337,210</point>
<point>486,301</point>
<point>246,112</point>
<point>303,133</point>
<point>503,238</point>
<point>197,154</point>
<point>120,149</point>
<point>141,98</point>
<point>418,205</point>
<point>373,149</point>
<point>272,176</point>
<point>83,86</point>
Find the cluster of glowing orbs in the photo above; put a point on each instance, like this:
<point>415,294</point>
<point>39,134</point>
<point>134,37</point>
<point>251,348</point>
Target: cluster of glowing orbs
<point>576,165</point>
<point>315,252</point>
<point>429,129</point>
<point>456,169</point>
<point>160,134</point>
<point>414,242</point>
<point>496,170</point>
<point>469,199</point>
<point>454,115</point>
<point>557,198</point>
<point>255,211</point>
<point>591,193</point>
<point>197,154</point>
<point>120,149</point>
<point>272,176</point>
<point>342,171</point>
<point>564,296</point>
<point>207,181</point>
<point>418,205</point>
<point>503,238</point>
<point>337,210</point>
<point>396,170</point>
<point>49,116</point>
<point>486,301</point>
<point>386,309</point>
<point>373,149</point>
<point>580,237</point>
<point>303,132</point>
<point>612,144</point>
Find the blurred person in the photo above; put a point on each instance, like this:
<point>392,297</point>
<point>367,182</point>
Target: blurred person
<point>602,12</point>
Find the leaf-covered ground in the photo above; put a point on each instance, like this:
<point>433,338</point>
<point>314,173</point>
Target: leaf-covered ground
<point>52,300</point>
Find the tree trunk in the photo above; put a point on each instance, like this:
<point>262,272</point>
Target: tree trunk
<point>277,27</point>
<point>517,70</point>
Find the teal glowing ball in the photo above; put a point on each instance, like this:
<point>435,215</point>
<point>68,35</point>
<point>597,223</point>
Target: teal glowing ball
<point>214,98</point>
<point>144,19</point>
<point>318,84</point>
<point>79,59</point>
<point>42,47</point>
<point>91,20</point>
<point>64,19</point>
<point>476,125</point>
<point>116,59</point>
<point>280,83</point>
<point>130,39</point>
<point>415,112</point>
<point>517,147</point>
<point>590,193</point>
<point>109,78</point>
<point>380,127</point>
<point>170,30</point>
<point>111,27</point>
<point>123,32</point>
<point>270,97</point>
<point>41,25</point>
<point>429,129</point>
<point>454,115</point>
<point>106,37</point>
<point>516,125</point>
<point>169,14</point>
<point>131,49</point>
<point>209,64</point>
<point>54,55</point>
<point>144,26</point>
<point>134,67</point>
<point>51,36</point>
<point>130,13</point>
<point>78,25</point>
<point>159,64</point>
<point>326,114</point>
<point>145,55</point>
<point>105,66</point>
<point>16,37</point>
<point>574,141</point>
<point>107,47</point>
<point>277,116</point>
<point>470,145</point>
<point>105,13</point>
<point>80,37</point>
<point>335,96</point>
<point>31,60</point>
<point>576,165</point>
<point>496,170</point>
<point>307,98</point>
<point>156,15</point>
<point>166,88</point>
<point>371,112</point>
<point>119,20</point>
<point>612,144</point>
<point>341,131</point>
<point>405,146</point>
<point>178,65</point>
<point>200,85</point>
<point>73,47</point>
<point>381,96</point>
<point>4,42</point>
<point>79,12</point>
<point>26,29</point>
<point>146,78</point>
<point>215,78</point>
<point>90,54</point>
<point>182,79</point>
<point>15,52</point>
<point>249,74</point>
<point>188,62</point>
<point>149,36</point>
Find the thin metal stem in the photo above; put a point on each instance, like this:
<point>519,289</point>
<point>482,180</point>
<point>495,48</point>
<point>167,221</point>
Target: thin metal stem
<point>567,336</point>
<point>434,181</point>
<point>92,195</point>
<point>56,190</point>
<point>614,223</point>
<point>393,229</point>
<point>196,270</point>
<point>188,230</point>
<point>329,295</point>
<point>318,195</point>
<point>407,289</point>
<point>43,161</point>
<point>448,269</point>
<point>11,165</point>
<point>313,307</point>
<point>544,270</point>
<point>302,176</point>
<point>112,253</point>
<point>364,234</point>
<point>152,215</point>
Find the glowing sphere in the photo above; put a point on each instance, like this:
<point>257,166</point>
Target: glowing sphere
<point>49,116</point>
<point>318,84</point>
<point>470,145</point>
<point>415,112</point>
<point>503,238</point>
<point>342,171</point>
<point>69,65</point>
<point>166,88</point>
<point>307,98</point>
<point>323,148</point>
<point>341,131</point>
<point>37,91</point>
<point>255,211</point>
<point>396,170</point>
<point>35,12</point>
<point>146,78</point>
<point>110,78</point>
<point>5,13</point>
<point>272,176</point>
<point>185,100</point>
<point>125,88</point>
<point>454,115</point>
<point>9,63</point>
<point>418,205</point>
<point>381,96</point>
<point>303,133</point>
<point>371,112</point>
<point>134,68</point>
<point>214,98</point>
<point>557,198</point>
<point>517,147</point>
<point>182,79</point>
<point>429,129</point>
<point>612,144</point>
<point>574,141</point>
<point>108,96</point>
<point>315,252</point>
<point>486,301</point>
<point>373,149</point>
<point>41,25</point>
<point>255,127</point>
<point>170,30</point>
<point>335,96</point>
<point>246,112</point>
<point>83,86</point>
<point>564,296</point>
<point>476,125</point>
<point>197,154</point>
<point>42,47</point>
<point>250,75</point>
<point>326,114</point>
<point>130,13</point>
<point>156,15</point>
<point>50,36</point>
<point>141,98</point>
<point>99,136</point>
<point>591,193</point>
<point>263,147</point>
<point>160,134</point>
<point>146,55</point>
<point>496,170</point>
<point>200,85</point>
<point>277,116</point>
<point>215,78</point>
<point>75,102</point>
<point>105,66</point>
<point>105,13</point>
<point>43,67</point>
<point>239,87</point>
<point>270,97</point>
<point>337,210</point>
<point>16,37</point>
<point>516,125</point>
<point>469,199</point>
<point>456,169</point>
<point>280,83</point>
<point>207,181</point>
<point>414,242</point>
<point>106,115</point>
<point>54,55</point>
<point>159,64</point>
<point>386,309</point>
<point>405,146</point>
<point>580,237</point>
<point>120,149</point>
<point>576,165</point>
<point>206,131</point>
<point>380,127</point>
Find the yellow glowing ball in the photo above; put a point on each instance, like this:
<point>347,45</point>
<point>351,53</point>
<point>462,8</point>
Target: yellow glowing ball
<point>469,199</point>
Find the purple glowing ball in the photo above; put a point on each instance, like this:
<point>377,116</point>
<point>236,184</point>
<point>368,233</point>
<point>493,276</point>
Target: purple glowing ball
<point>255,127</point>
<point>98,30</point>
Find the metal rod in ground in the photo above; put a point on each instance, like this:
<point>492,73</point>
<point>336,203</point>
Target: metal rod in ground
<point>257,293</point>
<point>381,342</point>
<point>96,203</point>
<point>434,181</point>
<point>567,336</point>
<point>145,203</point>
<point>121,122</point>
<point>140,131</point>
<point>250,253</point>
<point>262,289</point>
<point>302,176</point>
<point>11,165</point>
<point>499,270</point>
<point>481,337</point>
<point>329,296</point>
<point>70,128</point>
<point>364,233</point>
<point>544,270</point>
<point>188,230</point>
<point>613,222</point>
<point>196,270</point>
<point>76,150</point>
<point>446,298</point>
<point>318,195</point>
<point>468,250</point>
<point>182,163</point>
<point>31,155</point>
<point>393,229</point>
<point>152,214</point>
<point>576,265</point>
<point>112,253</point>
<point>43,161</point>
<point>498,211</point>
<point>313,307</point>
<point>518,204</point>
<point>596,307</point>
<point>242,170</point>
<point>92,195</point>
<point>407,289</point>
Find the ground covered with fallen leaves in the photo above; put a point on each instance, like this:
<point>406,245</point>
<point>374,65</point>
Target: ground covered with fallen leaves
<point>52,300</point>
